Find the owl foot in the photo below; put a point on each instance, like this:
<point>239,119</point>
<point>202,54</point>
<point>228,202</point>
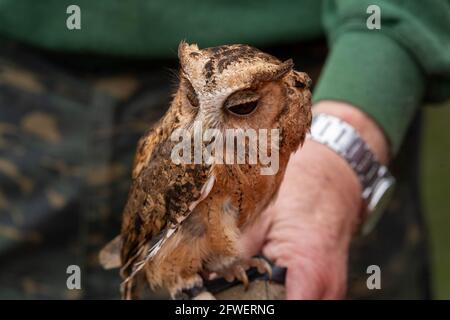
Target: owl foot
<point>237,270</point>
<point>187,287</point>
<point>261,265</point>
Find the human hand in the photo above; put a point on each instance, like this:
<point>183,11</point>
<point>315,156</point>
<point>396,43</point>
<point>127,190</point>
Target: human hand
<point>310,226</point>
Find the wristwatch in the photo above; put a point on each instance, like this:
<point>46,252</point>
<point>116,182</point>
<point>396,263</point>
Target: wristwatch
<point>376,181</point>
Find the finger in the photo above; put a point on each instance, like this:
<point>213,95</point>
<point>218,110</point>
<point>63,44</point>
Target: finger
<point>304,283</point>
<point>316,279</point>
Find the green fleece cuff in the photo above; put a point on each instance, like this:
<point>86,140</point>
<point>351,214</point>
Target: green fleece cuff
<point>374,73</point>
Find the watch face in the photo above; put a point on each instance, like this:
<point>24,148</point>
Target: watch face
<point>381,197</point>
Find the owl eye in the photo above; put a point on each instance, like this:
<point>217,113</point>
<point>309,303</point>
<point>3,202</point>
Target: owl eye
<point>243,108</point>
<point>191,95</point>
<point>242,102</point>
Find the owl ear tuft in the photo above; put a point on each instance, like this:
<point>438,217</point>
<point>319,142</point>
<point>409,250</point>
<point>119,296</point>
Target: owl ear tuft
<point>283,68</point>
<point>186,50</point>
<point>275,73</point>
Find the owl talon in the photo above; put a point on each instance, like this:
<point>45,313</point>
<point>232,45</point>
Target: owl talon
<point>261,265</point>
<point>235,271</point>
<point>187,288</point>
<point>238,270</point>
<point>242,276</point>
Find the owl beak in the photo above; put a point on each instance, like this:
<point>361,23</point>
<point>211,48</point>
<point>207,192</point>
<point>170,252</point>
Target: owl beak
<point>302,80</point>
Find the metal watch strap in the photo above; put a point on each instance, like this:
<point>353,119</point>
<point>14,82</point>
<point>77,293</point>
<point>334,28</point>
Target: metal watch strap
<point>345,140</point>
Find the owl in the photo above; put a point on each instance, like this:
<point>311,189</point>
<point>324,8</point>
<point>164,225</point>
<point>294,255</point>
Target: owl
<point>183,220</point>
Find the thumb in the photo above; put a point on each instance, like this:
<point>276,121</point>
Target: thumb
<point>315,279</point>
<point>303,282</point>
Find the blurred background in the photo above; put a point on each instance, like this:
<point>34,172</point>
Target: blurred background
<point>73,104</point>
<point>436,193</point>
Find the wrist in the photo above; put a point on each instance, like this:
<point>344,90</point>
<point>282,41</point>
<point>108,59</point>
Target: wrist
<point>366,127</point>
<point>356,137</point>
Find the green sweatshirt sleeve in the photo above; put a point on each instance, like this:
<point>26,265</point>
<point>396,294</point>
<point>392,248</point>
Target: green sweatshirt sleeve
<point>384,72</point>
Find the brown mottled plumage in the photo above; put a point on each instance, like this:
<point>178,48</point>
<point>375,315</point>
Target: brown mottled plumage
<point>183,220</point>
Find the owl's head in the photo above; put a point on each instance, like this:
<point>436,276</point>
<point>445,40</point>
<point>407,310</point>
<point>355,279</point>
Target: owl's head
<point>238,86</point>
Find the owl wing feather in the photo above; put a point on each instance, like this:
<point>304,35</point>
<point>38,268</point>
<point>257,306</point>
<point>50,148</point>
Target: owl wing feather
<point>162,196</point>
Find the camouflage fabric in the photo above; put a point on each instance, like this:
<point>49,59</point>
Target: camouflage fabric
<point>66,144</point>
<point>68,130</point>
